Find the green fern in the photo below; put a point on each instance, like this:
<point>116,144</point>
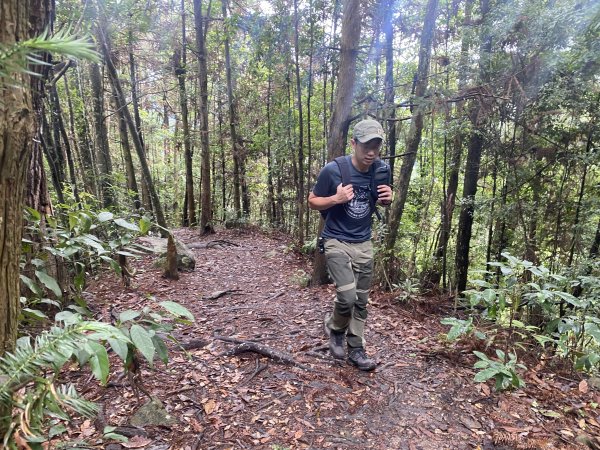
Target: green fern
<point>35,368</point>
<point>17,57</point>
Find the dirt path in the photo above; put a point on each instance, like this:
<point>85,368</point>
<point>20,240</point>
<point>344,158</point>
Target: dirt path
<point>417,398</point>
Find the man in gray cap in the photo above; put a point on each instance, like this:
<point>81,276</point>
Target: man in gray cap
<point>347,208</point>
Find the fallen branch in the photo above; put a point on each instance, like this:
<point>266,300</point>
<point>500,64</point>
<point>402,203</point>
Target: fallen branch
<point>249,346</point>
<point>215,295</point>
<point>213,244</point>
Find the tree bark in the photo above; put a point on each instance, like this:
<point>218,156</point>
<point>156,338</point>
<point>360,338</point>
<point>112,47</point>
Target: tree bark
<point>180,63</point>
<point>122,105</point>
<point>416,126</point>
<point>465,221</point>
<point>300,200</point>
<point>20,104</point>
<point>102,149</point>
<point>205,195</point>
<point>340,118</point>
<point>239,159</point>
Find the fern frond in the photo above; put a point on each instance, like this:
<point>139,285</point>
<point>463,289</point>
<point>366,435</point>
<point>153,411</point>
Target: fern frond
<point>67,394</point>
<point>15,59</point>
<point>52,349</point>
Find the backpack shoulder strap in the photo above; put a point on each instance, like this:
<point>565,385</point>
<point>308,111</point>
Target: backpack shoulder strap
<point>342,162</point>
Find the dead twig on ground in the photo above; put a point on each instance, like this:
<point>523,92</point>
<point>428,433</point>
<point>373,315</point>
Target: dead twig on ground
<point>249,346</point>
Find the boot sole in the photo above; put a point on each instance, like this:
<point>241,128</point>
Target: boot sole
<point>363,368</point>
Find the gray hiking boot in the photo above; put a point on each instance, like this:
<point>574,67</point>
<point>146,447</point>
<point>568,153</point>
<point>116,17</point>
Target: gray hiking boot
<point>336,344</point>
<point>359,358</point>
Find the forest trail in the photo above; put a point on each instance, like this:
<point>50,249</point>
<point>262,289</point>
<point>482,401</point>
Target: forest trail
<point>421,396</point>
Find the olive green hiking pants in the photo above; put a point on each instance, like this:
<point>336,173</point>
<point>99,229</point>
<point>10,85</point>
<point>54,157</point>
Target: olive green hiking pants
<point>350,266</point>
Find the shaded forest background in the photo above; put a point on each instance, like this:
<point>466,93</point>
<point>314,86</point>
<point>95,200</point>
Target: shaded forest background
<point>119,117</point>
<point>208,113</point>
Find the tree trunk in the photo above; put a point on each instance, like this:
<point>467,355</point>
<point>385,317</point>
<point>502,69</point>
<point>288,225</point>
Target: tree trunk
<point>389,106</point>
<point>239,175</point>
<point>416,125</point>
<point>122,105</point>
<point>102,150</point>
<point>146,195</point>
<point>451,189</point>
<point>127,156</point>
<point>205,197</point>
<point>340,118</point>
<point>300,200</point>
<point>20,106</point>
<point>89,166</point>
<point>180,63</point>
<point>465,221</point>
<point>57,113</point>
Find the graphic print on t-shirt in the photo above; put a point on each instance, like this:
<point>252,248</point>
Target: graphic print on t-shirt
<point>359,206</point>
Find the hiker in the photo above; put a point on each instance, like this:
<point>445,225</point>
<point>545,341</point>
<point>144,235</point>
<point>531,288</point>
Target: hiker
<point>346,193</point>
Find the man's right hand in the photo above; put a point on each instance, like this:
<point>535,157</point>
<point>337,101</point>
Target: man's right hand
<point>344,194</point>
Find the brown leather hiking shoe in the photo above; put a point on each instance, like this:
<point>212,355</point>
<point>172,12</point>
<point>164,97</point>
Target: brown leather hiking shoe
<point>359,358</point>
<point>336,344</point>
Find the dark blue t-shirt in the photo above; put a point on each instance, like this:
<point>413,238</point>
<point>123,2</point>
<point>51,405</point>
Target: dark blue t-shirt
<point>350,222</point>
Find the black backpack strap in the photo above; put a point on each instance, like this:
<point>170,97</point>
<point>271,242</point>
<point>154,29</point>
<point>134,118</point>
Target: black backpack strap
<point>344,166</point>
<point>342,162</point>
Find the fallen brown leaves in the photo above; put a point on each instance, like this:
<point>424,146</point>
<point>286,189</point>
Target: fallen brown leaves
<point>420,396</point>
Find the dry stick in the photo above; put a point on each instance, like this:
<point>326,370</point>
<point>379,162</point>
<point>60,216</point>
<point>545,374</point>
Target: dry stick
<point>249,346</point>
<point>259,369</point>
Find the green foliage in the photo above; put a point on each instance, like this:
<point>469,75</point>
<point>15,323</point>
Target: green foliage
<point>16,58</point>
<point>84,240</point>
<point>28,376</point>
<point>565,324</point>
<point>502,369</point>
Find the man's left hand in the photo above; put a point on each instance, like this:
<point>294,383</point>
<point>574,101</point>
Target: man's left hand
<point>384,194</point>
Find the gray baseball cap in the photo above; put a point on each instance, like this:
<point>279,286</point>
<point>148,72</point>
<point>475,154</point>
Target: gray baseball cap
<point>367,129</point>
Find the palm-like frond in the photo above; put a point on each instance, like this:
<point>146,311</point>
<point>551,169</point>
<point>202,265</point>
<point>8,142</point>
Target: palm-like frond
<point>52,349</point>
<point>17,57</point>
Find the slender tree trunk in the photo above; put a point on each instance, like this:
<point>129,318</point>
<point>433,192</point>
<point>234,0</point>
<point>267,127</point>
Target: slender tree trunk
<point>270,188</point>
<point>416,126</point>
<point>240,187</point>
<point>309,118</point>
<point>122,105</point>
<point>300,199</point>
<point>451,189</point>
<point>205,203</point>
<point>49,151</point>
<point>60,124</point>
<point>389,106</point>
<point>82,121</point>
<point>127,156</point>
<point>180,63</point>
<point>102,150</point>
<point>340,119</point>
<point>146,195</point>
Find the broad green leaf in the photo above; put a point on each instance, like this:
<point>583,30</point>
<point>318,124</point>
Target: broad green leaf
<point>485,375</point>
<point>129,314</point>
<point>142,341</point>
<point>49,282</point>
<point>119,347</point>
<point>161,349</point>
<point>32,285</point>
<point>87,240</point>
<point>99,361</point>
<point>34,313</point>
<point>145,225</point>
<point>481,355</point>
<point>104,216</point>
<point>128,225</point>
<point>177,310</point>
<point>79,279</point>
